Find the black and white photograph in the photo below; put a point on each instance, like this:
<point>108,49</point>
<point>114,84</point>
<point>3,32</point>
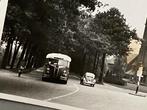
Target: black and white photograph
<point>73,55</point>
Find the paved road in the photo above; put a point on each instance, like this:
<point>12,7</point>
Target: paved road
<point>101,97</point>
<point>30,85</point>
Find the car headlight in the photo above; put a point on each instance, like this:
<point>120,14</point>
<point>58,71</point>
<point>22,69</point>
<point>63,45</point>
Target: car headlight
<point>84,79</point>
<point>94,81</point>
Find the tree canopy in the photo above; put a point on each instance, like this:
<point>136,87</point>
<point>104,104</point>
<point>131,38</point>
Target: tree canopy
<point>38,27</point>
<point>112,28</point>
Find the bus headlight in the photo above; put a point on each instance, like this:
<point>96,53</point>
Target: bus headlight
<point>47,69</point>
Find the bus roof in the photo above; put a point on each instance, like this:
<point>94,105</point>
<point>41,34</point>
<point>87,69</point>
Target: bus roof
<point>59,55</point>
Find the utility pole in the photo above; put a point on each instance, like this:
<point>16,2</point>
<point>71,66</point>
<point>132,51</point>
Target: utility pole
<point>139,75</point>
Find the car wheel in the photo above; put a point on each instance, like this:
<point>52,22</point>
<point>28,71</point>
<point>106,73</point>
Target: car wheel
<point>81,82</point>
<point>92,85</point>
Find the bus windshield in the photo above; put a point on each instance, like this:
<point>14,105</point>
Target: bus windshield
<point>62,63</point>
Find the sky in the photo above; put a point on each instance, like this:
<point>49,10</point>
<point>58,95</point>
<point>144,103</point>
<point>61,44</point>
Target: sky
<point>135,12</point>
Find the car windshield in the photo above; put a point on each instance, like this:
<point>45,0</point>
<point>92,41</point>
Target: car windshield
<point>90,75</point>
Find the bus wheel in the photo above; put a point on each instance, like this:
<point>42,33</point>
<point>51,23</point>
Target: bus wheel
<point>64,82</point>
<point>43,79</point>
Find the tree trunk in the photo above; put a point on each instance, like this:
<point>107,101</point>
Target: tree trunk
<point>22,54</point>
<point>15,54</point>
<point>95,60</point>
<point>84,61</point>
<point>88,64</point>
<point>29,48</point>
<point>6,54</point>
<point>97,65</point>
<point>102,69</point>
<point>10,53</point>
<point>29,60</point>
<point>35,58</point>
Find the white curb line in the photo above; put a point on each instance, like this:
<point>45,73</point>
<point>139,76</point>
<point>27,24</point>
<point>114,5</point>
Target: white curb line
<point>71,93</point>
<point>35,102</point>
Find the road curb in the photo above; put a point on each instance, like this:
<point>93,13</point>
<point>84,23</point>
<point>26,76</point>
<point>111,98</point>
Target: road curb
<point>140,95</point>
<point>34,102</point>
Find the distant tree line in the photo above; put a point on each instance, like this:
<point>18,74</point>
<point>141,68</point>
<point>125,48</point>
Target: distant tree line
<point>38,27</point>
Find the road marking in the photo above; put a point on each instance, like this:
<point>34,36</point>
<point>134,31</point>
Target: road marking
<point>61,96</point>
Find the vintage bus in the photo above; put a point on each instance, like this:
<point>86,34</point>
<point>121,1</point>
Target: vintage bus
<point>56,67</point>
